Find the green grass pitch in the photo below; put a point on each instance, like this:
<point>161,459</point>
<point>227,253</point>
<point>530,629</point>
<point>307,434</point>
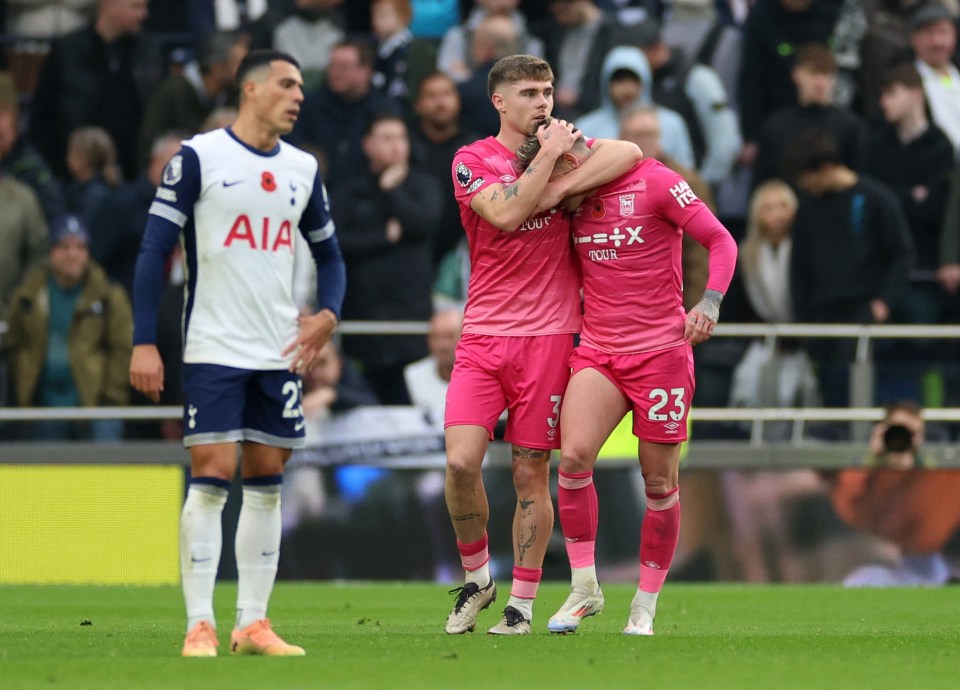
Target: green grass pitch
<point>386,635</point>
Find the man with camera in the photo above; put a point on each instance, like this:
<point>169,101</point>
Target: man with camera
<point>902,500</point>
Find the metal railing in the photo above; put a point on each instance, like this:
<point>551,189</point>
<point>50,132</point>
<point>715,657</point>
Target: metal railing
<point>861,409</point>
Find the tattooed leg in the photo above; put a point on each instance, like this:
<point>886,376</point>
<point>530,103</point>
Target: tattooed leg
<point>466,497</point>
<point>533,518</point>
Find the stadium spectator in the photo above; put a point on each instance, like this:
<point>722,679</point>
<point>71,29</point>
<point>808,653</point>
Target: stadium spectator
<point>19,158</point>
<point>899,498</point>
<point>914,158</point>
<point>851,254</point>
<point>386,217</point>
<point>117,221</point>
<point>309,35</point>
<point>779,376</point>
<point>628,84</point>
<point>69,338</point>
<point>933,36</point>
<point>434,139</point>
<point>334,385</point>
<point>101,75</point>
<point>94,173</point>
<point>576,40</point>
<point>814,74</point>
<point>208,16</point>
<point>334,115</point>
<point>632,350</point>
<point>520,318</point>
<point>456,56</point>
<point>493,38</point>
<point>245,347</point>
<point>884,45</point>
<point>427,381</point>
<point>23,236</point>
<point>772,34</point>
<point>695,91</point>
<point>391,21</point>
<point>698,29</point>
<point>182,102</point>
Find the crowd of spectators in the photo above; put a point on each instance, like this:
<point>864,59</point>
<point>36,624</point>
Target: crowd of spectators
<point>843,114</point>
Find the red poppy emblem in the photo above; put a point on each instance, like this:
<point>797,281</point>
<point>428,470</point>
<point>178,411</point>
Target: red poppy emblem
<point>598,211</point>
<point>268,182</point>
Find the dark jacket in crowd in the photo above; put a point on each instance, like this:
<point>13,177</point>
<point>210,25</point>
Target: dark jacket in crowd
<point>849,248</point>
<point>387,281</point>
<point>790,123</point>
<point>924,162</point>
<point>85,81</point>
<point>771,36</point>
<point>116,227</point>
<point>336,127</point>
<point>25,164</point>
<point>434,159</point>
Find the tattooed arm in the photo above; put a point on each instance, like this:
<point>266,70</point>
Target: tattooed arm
<point>608,160</point>
<point>507,206</point>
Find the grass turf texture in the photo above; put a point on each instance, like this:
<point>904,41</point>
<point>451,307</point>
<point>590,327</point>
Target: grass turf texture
<point>383,635</point>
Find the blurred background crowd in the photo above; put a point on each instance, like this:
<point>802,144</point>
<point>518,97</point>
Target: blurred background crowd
<point>824,133</point>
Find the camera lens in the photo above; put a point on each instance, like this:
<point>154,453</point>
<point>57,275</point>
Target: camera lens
<point>897,439</point>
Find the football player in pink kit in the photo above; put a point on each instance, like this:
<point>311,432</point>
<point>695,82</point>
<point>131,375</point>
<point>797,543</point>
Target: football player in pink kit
<point>636,354</point>
<point>522,310</point>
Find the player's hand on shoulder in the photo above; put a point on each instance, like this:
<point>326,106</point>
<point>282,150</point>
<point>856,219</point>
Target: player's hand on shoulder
<point>146,371</point>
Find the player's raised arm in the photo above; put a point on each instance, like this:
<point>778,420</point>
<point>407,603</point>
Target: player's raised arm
<point>506,206</point>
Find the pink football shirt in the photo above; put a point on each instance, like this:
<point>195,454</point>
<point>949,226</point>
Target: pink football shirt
<point>523,282</point>
<point>628,237</point>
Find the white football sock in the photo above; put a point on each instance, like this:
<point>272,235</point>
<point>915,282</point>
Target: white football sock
<point>481,576</point>
<point>585,578</point>
<point>201,537</point>
<point>258,550</point>
<point>647,601</point>
<point>524,606</point>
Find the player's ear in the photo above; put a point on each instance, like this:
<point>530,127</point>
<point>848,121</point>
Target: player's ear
<point>571,160</point>
<point>497,100</point>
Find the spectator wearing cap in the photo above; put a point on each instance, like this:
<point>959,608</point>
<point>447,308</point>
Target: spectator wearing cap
<point>69,338</point>
<point>933,36</point>
<point>695,91</point>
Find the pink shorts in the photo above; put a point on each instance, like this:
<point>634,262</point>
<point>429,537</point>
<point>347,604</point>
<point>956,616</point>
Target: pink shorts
<point>658,384</point>
<point>527,375</point>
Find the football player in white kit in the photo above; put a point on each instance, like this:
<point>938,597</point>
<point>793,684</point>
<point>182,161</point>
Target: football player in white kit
<point>234,197</point>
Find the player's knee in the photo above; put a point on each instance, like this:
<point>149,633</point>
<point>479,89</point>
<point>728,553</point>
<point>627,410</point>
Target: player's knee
<point>575,461</point>
<point>660,483</point>
<point>462,469</point>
